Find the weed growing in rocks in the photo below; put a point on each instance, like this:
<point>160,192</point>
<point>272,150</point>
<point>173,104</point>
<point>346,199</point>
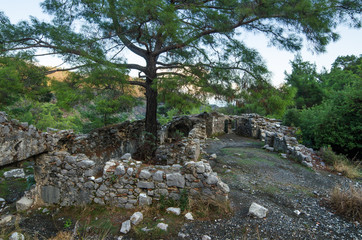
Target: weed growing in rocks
<point>347,202</point>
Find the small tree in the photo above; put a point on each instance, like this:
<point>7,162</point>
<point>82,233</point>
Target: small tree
<point>187,45</point>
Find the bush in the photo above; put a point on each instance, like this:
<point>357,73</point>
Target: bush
<point>336,122</point>
<point>347,202</point>
<point>291,117</point>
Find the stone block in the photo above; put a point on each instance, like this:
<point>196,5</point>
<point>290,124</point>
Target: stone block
<point>158,176</point>
<point>24,204</point>
<point>258,210</point>
<point>50,194</point>
<point>175,180</point>
<point>144,184</point>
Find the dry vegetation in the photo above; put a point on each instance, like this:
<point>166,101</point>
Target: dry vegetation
<point>341,163</point>
<point>347,202</point>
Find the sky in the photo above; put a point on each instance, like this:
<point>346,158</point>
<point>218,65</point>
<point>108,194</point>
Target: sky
<point>278,61</point>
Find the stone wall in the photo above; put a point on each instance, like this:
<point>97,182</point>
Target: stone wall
<point>72,179</point>
<point>105,143</point>
<point>20,141</point>
<point>276,137</point>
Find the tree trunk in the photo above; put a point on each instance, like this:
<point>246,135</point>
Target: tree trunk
<point>150,145</point>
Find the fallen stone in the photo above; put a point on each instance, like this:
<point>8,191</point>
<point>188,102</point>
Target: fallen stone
<point>5,219</point>
<point>16,236</point>
<point>189,216</point>
<point>136,218</point>
<point>258,210</point>
<point>24,204</point>
<point>162,226</point>
<point>174,210</point>
<point>213,156</point>
<point>15,173</point>
<point>126,156</point>
<point>205,237</point>
<point>126,227</point>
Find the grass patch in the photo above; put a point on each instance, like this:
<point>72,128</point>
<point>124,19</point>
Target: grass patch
<point>347,202</point>
<point>249,156</point>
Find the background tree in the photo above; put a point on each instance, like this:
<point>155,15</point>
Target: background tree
<point>337,120</point>
<point>190,43</point>
<point>305,79</point>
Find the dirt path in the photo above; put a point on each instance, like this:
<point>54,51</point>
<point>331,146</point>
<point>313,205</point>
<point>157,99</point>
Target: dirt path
<point>283,186</point>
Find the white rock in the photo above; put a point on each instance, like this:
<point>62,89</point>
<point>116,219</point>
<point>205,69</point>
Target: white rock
<point>213,156</point>
<point>15,173</point>
<point>126,226</point>
<point>16,236</point>
<point>258,210</point>
<point>24,203</point>
<point>136,218</point>
<point>174,210</point>
<point>189,216</point>
<point>297,212</point>
<point>126,156</point>
<point>5,219</point>
<point>162,226</point>
<point>205,237</point>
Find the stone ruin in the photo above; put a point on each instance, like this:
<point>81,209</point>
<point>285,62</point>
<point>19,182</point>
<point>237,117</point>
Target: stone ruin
<point>73,169</point>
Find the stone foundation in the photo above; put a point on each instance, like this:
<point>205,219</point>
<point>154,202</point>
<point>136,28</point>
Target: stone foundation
<point>66,179</point>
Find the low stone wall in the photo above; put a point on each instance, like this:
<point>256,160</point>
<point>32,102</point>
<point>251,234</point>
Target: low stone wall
<point>66,179</point>
<point>276,137</point>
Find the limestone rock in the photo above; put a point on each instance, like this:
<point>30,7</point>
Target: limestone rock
<point>136,218</point>
<point>126,156</point>
<point>145,174</point>
<point>175,180</point>
<point>16,236</point>
<point>162,226</point>
<point>213,156</point>
<point>189,216</point>
<point>174,210</point>
<point>24,204</point>
<point>258,210</point>
<point>158,176</point>
<point>5,219</point>
<point>205,237</point>
<point>144,200</point>
<point>15,173</point>
<point>126,227</point>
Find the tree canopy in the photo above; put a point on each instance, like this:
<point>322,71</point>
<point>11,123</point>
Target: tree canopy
<point>189,46</point>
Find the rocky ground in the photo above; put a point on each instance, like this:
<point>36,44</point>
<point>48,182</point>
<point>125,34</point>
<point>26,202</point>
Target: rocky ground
<point>294,195</point>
